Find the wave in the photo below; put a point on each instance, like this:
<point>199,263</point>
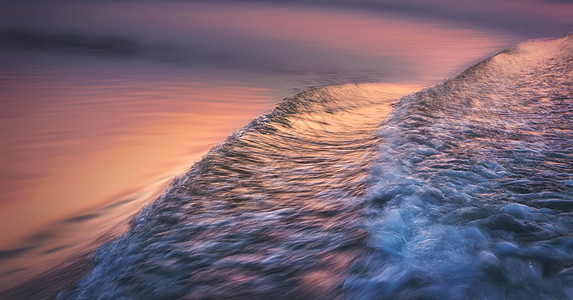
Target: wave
<point>473,191</point>
<point>459,190</point>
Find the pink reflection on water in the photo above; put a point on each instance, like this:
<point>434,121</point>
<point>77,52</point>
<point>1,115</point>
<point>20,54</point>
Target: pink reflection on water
<point>76,141</point>
<point>431,50</point>
<point>425,50</point>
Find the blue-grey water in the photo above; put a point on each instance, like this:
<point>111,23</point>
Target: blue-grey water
<point>459,191</point>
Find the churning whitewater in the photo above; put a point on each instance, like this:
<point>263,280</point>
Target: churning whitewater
<point>459,191</point>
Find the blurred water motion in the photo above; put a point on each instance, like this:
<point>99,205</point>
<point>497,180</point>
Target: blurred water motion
<point>101,104</point>
<point>96,136</point>
<point>458,191</point>
<point>319,45</point>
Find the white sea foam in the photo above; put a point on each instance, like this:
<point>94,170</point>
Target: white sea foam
<point>467,204</point>
<point>462,193</point>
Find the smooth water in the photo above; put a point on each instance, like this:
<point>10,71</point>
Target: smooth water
<point>459,191</point>
<point>83,152</point>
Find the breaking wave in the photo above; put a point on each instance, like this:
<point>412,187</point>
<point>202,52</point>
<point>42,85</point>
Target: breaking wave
<point>462,190</point>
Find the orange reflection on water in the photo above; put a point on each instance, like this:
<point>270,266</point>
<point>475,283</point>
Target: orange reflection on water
<point>79,142</point>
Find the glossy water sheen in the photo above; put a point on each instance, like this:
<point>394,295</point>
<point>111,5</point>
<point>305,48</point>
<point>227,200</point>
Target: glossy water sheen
<point>84,152</point>
<point>462,190</point>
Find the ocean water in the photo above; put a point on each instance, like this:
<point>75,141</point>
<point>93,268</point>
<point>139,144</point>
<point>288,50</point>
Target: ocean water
<point>102,104</point>
<point>463,190</point>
